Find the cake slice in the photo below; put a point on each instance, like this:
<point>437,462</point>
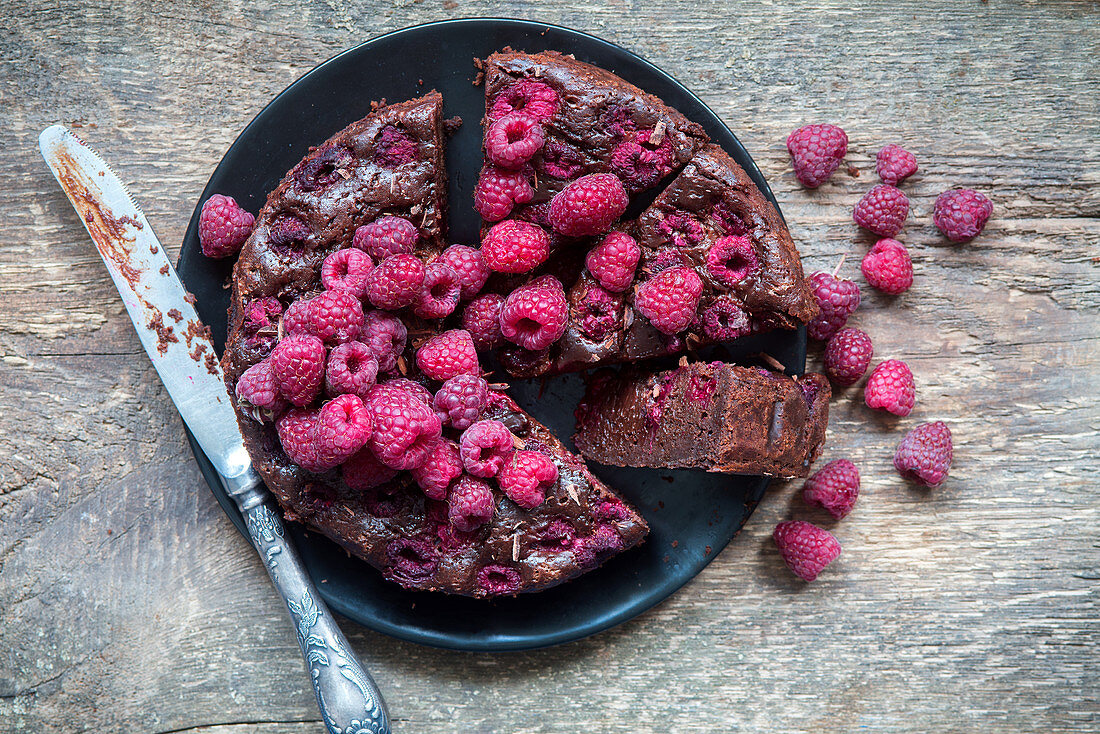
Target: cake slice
<point>713,416</point>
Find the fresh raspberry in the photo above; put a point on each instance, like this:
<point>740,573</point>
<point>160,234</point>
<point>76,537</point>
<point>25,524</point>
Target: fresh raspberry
<point>613,261</point>
<point>470,504</point>
<point>386,236</point>
<point>395,282</point>
<point>412,387</point>
<point>837,298</point>
<point>334,317</point>
<point>405,429</point>
<point>961,214</point>
<point>343,427</point>
<point>834,486</point>
<point>460,401</point>
<point>352,369</point>
<point>321,169</point>
<point>894,164</point>
<point>887,267</point>
<point>498,191</point>
<point>725,319</point>
<point>394,147</point>
<point>448,354</point>
<point>669,299</point>
<point>364,471</point>
<point>296,317</point>
<point>439,295</point>
<point>680,230</point>
<point>816,151</point>
<point>924,455</point>
<point>528,96</point>
<point>470,266</point>
<point>526,476</point>
<point>513,140</point>
<point>598,313</point>
<point>642,159</point>
<point>560,160</point>
<point>385,334</point>
<point>847,356</point>
<point>223,226</point>
<point>731,260</point>
<point>534,316</point>
<point>347,270</point>
<point>514,246</point>
<point>481,318</point>
<point>442,467</point>
<point>588,206</point>
<point>882,210</point>
<point>298,363</point>
<point>806,548</point>
<point>890,388</point>
<point>297,435</point>
<point>485,446</point>
<point>258,392</point>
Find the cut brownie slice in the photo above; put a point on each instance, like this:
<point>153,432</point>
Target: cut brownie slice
<point>713,416</point>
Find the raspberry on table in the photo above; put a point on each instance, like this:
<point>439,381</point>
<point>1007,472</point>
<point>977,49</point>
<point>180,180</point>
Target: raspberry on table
<point>732,259</point>
<point>515,246</point>
<point>485,446</point>
<point>258,392</point>
<point>470,504</point>
<point>961,214</point>
<point>469,265</point>
<point>890,387</point>
<point>725,319</point>
<point>834,486</point>
<point>498,191</point>
<point>669,299</point>
<point>534,98</point>
<point>439,294</point>
<point>347,270</point>
<point>837,299</point>
<point>364,471</point>
<point>588,206</point>
<point>816,151</point>
<point>460,401</point>
<point>894,164</point>
<point>513,140</point>
<point>534,316</point>
<point>613,261</point>
<point>448,354</point>
<point>344,426</point>
<point>223,227</point>
<point>334,317</point>
<point>887,267</point>
<point>385,334</point>
<point>386,236</point>
<point>443,466</point>
<point>297,435</point>
<point>882,210</point>
<point>805,548</point>
<point>405,429</point>
<point>924,455</point>
<point>298,363</point>
<point>526,476</point>
<point>847,356</point>
<point>352,369</point>
<point>395,282</point>
<point>481,318</point>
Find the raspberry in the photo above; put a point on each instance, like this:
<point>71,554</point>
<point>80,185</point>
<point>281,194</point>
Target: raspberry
<point>513,140</point>
<point>665,258</point>
<point>534,316</point>
<point>258,392</point>
<point>837,299</point>
<point>731,260</point>
<point>588,206</point>
<point>598,313</point>
<point>894,164</point>
<point>460,401</point>
<point>485,446</point>
<point>439,294</point>
<point>536,99</point>
<point>347,270</point>
<point>343,427</point>
<point>728,220</point>
<point>498,580</point>
<point>296,317</point>
<point>890,388</point>
<point>882,210</point>
<point>320,170</point>
<point>223,226</point>
<point>411,560</point>
<point>556,536</point>
<point>291,235</point>
<point>834,486</point>
<point>298,363</point>
<point>394,147</point>
<point>482,319</point>
<point>498,191</point>
<point>442,467</point>
<point>560,160</point>
<point>887,267</point>
<point>297,435</point>
<point>386,236</point>
<point>640,162</point>
<point>669,299</point>
<point>847,356</point>
<point>395,282</point>
<point>448,354</point>
<point>680,230</point>
<point>961,214</point>
<point>613,261</point>
<point>405,429</point>
<point>385,334</point>
<point>513,246</point>
<point>470,505</point>
<point>816,151</point>
<point>924,455</point>
<point>470,266</point>
<point>262,313</point>
<point>725,319</point>
<point>352,369</point>
<point>334,317</point>
<point>526,476</point>
<point>412,387</point>
<point>364,471</point>
<point>806,548</point>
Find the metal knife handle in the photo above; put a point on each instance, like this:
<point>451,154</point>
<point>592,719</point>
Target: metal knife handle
<point>348,697</point>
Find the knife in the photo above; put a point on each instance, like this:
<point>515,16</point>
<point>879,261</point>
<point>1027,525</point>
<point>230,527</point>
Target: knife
<point>181,350</point>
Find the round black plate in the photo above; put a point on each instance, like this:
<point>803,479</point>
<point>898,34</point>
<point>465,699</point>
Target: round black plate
<point>693,515</point>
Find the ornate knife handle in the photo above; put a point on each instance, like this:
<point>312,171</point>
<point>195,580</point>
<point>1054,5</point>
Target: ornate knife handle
<point>348,697</point>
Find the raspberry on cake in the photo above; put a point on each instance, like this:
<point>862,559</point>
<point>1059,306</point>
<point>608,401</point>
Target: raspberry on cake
<point>223,226</point>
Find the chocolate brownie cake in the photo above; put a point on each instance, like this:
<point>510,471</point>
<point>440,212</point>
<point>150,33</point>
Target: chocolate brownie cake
<point>713,416</point>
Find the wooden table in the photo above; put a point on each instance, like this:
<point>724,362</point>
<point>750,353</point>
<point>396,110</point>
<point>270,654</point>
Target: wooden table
<point>129,603</point>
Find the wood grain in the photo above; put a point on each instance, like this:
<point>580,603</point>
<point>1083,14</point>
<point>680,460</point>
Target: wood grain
<point>129,603</point>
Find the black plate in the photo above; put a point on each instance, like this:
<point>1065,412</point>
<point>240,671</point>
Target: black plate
<point>693,515</point>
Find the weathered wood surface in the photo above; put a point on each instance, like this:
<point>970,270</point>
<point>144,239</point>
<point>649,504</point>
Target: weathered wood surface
<point>128,603</point>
